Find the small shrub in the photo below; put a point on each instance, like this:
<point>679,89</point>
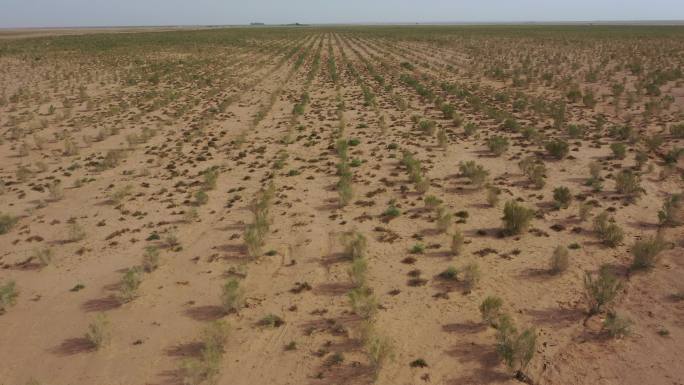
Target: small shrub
<point>432,202</point>
<point>585,210</point>
<point>560,260</point>
<point>43,256</point>
<point>357,272</point>
<point>471,276</point>
<point>672,213</point>
<point>490,309</point>
<point>8,296</point>
<point>380,350</point>
<point>616,326</point>
<point>493,194</point>
<point>201,198</point>
<point>516,349</point>
<point>475,172</point>
<point>363,302</point>
<point>457,242</point>
<point>619,150</point>
<point>557,148</point>
<point>610,233</point>
<point>418,248</point>
<point>7,222</point>
<point>130,282</point>
<point>601,290</point>
<point>232,296</point>
<point>98,333</point>
<point>516,218</point>
<point>150,260</point>
<point>628,183</point>
<point>497,145</point>
<point>76,232</point>
<point>450,274</point>
<point>271,321</point>
<point>355,244</point>
<point>562,197</point>
<point>444,219</point>
<point>210,177</point>
<point>677,130</point>
<point>646,252</point>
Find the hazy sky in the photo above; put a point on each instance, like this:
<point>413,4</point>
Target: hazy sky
<point>61,13</point>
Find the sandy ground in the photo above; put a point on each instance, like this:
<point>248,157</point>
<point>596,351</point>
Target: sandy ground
<point>425,316</point>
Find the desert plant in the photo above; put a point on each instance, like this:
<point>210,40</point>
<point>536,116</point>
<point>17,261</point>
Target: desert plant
<point>585,210</point>
<point>628,183</point>
<point>98,334</point>
<point>600,290</point>
<point>442,140</point>
<point>7,222</point>
<point>457,242</point>
<point>493,194</point>
<point>76,232</point>
<point>130,282</point>
<point>475,172</point>
<point>232,296</point>
<point>594,180</point>
<point>209,176</point>
<point>619,150</point>
<point>562,197</point>
<point>490,309</point>
<point>355,244</point>
<point>206,367</point>
<point>432,202</point>
<point>617,326</point>
<point>150,260</point>
<point>515,348</point>
<point>557,148</point>
<point>497,144</point>
<point>43,256</point>
<point>672,213</point>
<point>516,218</point>
<point>380,350</point>
<point>357,272</point>
<point>55,190</point>
<point>8,295</point>
<point>444,219</point>
<point>646,252</point>
<point>471,276</point>
<point>363,302</point>
<point>559,260</point>
<point>610,233</point>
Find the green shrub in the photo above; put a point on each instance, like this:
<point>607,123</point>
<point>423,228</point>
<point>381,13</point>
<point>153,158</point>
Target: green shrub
<point>471,276</point>
<point>469,129</point>
<point>646,252</point>
<point>432,202</point>
<point>8,295</point>
<point>444,219</point>
<point>608,232</point>
<point>560,260</point>
<point>490,309</point>
<point>672,213</point>
<point>7,222</point>
<point>201,198</point>
<point>516,349</point>
<point>130,282</point>
<point>150,259</point>
<point>457,242</point>
<point>562,197</point>
<point>98,334</point>
<point>355,244</point>
<point>232,296</point>
<point>516,218</point>
<point>380,350</point>
<point>357,272</point>
<point>493,194</point>
<point>619,150</point>
<point>585,210</point>
<point>677,130</point>
<point>557,148</point>
<point>476,173</point>
<point>497,144</point>
<point>363,302</point>
<point>43,256</point>
<point>210,177</point>
<point>616,326</point>
<point>600,290</point>
<point>628,183</point>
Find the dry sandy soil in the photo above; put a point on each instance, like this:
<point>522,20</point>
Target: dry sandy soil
<point>106,141</point>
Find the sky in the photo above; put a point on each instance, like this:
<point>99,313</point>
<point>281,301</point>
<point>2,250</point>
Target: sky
<point>72,13</point>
